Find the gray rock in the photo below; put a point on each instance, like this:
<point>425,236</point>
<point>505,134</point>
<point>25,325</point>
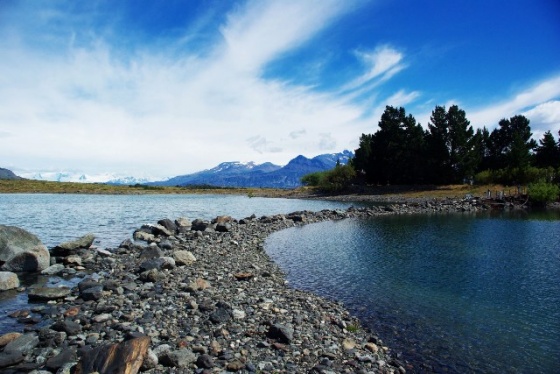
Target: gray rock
<point>150,252</point>
<point>144,236</point>
<point>69,327</point>
<point>223,227</point>
<point>92,293</point>
<point>9,359</point>
<point>168,224</point>
<point>205,361</point>
<point>66,248</point>
<point>8,280</point>
<point>48,293</point>
<point>184,257</point>
<point>199,225</point>
<point>181,358</point>
<point>22,251</point>
<point>158,263</point>
<point>220,315</point>
<point>53,269</point>
<point>282,333</point>
<point>65,356</point>
<point>183,222</point>
<point>22,345</point>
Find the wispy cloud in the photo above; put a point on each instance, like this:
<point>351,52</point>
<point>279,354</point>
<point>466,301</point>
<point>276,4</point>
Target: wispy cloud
<point>380,65</point>
<point>525,101</point>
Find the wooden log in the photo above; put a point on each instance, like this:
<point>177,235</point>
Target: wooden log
<point>122,358</point>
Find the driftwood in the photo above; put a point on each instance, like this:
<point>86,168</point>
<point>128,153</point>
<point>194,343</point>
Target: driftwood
<point>122,358</point>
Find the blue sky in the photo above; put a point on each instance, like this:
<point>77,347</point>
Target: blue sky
<point>161,88</point>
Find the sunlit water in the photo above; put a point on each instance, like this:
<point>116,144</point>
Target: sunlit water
<point>462,293</point>
<point>113,218</point>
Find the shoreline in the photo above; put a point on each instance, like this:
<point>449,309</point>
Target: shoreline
<point>223,310</point>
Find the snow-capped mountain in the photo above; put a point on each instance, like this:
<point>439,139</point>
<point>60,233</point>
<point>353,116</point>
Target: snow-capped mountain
<point>237,174</point>
<point>84,178</point>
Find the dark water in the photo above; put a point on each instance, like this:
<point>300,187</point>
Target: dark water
<point>461,293</point>
<point>112,218</point>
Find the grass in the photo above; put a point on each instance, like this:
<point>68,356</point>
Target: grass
<point>430,191</point>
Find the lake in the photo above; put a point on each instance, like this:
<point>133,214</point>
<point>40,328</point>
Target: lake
<point>462,292</point>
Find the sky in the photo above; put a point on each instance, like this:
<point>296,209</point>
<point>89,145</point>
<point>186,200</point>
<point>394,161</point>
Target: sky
<point>165,87</point>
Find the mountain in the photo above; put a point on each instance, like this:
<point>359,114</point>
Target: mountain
<point>268,175</point>
<point>84,178</point>
<point>8,174</point>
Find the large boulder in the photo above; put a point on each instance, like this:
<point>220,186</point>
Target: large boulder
<point>22,251</point>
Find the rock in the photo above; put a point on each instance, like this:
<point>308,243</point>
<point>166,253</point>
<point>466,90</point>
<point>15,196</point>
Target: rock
<point>243,276</point>
<point>66,248</point>
<point>73,260</point>
<point>235,365</point>
<point>160,230</point>
<point>168,224</point>
<point>199,225</point>
<point>144,236</point>
<point>282,333</point>
<point>8,280</point>
<point>22,345</point>
<point>151,252</point>
<point>92,293</point>
<point>181,358</point>
<point>7,359</point>
<point>158,263</point>
<point>182,222</point>
<point>372,347</point>
<point>48,293</point>
<point>71,328</point>
<point>220,315</point>
<point>122,358</point>
<point>22,251</point>
<point>223,227</point>
<point>198,285</point>
<point>53,269</point>
<point>8,337</point>
<point>348,344</point>
<point>205,361</point>
<point>150,361</point>
<point>184,257</point>
<point>65,356</point>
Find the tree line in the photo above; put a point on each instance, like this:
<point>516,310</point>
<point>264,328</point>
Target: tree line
<point>450,151</point>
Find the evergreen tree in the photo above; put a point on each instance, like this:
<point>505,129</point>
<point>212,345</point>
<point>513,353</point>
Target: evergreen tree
<point>548,152</point>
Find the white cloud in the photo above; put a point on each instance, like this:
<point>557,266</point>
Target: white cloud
<point>380,65</point>
<point>327,142</point>
<point>521,102</point>
<point>92,107</point>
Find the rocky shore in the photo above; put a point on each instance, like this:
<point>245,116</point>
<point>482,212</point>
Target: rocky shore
<point>200,297</point>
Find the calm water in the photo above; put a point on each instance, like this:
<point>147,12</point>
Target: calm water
<point>55,218</point>
<point>466,293</point>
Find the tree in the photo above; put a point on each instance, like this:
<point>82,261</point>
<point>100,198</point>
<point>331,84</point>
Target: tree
<point>548,152</point>
<point>394,154</point>
<point>451,145</point>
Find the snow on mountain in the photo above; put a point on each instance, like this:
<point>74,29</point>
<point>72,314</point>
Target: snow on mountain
<point>64,176</point>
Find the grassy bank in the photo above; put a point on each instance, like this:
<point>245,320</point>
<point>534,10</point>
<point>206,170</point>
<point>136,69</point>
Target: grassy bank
<point>430,191</point>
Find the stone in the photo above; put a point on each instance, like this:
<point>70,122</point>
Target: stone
<point>48,293</point>
<point>56,362</point>
<point>199,225</point>
<point>151,252</point>
<point>7,359</point>
<point>143,236</point>
<point>92,293</point>
<point>53,269</point>
<point>372,347</point>
<point>348,344</point>
<point>168,224</point>
<point>205,361</point>
<point>67,248</point>
<point>8,337</point>
<point>159,230</point>
<point>71,328</point>
<point>22,345</point>
<point>122,358</point>
<point>183,222</point>
<point>150,361</point>
<point>21,251</point>
<point>282,333</point>
<point>73,260</point>
<point>184,257</point>
<point>158,263</point>
<point>243,276</point>
<point>220,315</point>
<point>198,285</point>
<point>181,358</point>
<point>223,227</point>
<point>235,365</point>
<point>8,280</point>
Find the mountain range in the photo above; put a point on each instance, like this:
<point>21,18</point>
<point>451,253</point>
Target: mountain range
<point>226,174</point>
<point>267,175</point>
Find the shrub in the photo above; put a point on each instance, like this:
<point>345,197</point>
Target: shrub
<point>542,193</point>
